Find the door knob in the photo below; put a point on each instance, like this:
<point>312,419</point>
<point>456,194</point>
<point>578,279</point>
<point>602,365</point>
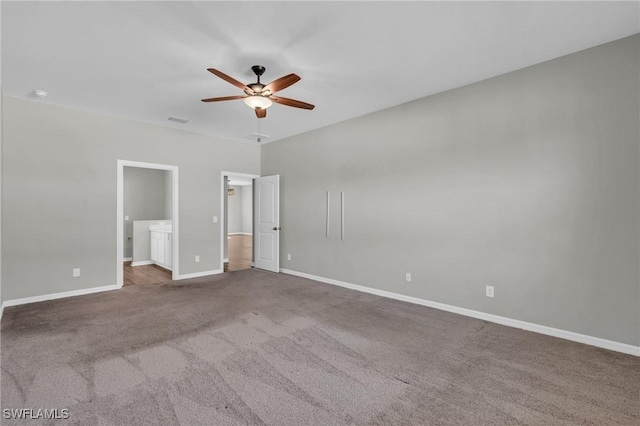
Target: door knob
<point>276,228</point>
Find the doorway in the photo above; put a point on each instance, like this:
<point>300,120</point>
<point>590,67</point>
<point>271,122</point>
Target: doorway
<point>237,221</point>
<point>147,223</point>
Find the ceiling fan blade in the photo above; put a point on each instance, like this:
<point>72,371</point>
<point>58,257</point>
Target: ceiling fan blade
<point>291,102</point>
<point>228,79</point>
<point>225,98</point>
<point>261,112</point>
<point>281,83</point>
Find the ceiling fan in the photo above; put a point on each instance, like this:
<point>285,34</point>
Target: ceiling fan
<point>260,96</point>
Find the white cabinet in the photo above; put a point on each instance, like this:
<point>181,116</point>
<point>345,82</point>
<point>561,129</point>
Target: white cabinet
<point>162,248</point>
<point>154,245</point>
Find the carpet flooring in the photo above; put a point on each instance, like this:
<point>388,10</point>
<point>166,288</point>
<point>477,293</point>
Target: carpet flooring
<point>256,348</point>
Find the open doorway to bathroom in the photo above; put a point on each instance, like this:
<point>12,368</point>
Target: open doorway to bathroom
<point>237,221</point>
<point>147,223</point>
<point>147,226</point>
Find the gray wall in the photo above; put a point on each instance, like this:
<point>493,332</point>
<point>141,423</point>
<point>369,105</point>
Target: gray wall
<point>168,195</point>
<point>527,182</point>
<point>225,230</point>
<point>247,209</point>
<point>234,212</point>
<point>59,193</point>
<point>144,199</point>
<point>1,120</point>
<point>240,210</point>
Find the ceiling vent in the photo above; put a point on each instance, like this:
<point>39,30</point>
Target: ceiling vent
<point>179,120</point>
<point>259,137</point>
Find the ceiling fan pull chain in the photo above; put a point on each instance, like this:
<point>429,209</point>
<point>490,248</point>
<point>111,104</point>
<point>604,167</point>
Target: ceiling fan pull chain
<point>258,132</point>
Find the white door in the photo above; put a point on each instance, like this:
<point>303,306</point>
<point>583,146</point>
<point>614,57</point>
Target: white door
<point>266,222</point>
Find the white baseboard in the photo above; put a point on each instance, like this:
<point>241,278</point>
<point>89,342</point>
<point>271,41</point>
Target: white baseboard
<point>127,259</point>
<point>542,329</point>
<point>239,233</point>
<point>199,274</point>
<point>84,291</point>
<point>53,296</point>
<point>142,263</point>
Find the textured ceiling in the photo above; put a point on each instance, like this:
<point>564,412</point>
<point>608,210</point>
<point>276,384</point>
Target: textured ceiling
<point>147,61</point>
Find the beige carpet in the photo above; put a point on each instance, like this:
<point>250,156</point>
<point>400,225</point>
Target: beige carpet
<point>251,347</point>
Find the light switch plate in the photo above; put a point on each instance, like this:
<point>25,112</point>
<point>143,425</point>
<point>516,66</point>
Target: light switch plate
<point>76,272</point>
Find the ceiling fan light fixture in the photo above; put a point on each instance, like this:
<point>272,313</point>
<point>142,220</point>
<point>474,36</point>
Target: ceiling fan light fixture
<point>256,95</point>
<point>258,102</point>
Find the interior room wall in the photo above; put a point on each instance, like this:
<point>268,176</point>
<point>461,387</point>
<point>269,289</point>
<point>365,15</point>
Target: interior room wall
<point>247,209</point>
<point>59,171</point>
<point>144,198</point>
<point>1,120</point>
<point>240,210</point>
<point>234,212</point>
<point>168,194</point>
<point>527,182</point>
<point>225,230</point>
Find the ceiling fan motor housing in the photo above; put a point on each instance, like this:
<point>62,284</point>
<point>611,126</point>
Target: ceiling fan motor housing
<point>258,70</point>
<point>257,87</point>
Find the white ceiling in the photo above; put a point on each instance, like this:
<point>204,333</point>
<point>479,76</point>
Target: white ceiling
<point>147,60</point>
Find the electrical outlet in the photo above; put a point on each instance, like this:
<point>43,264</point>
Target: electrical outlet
<point>407,277</point>
<point>126,217</point>
<point>489,291</point>
<point>197,259</point>
<point>288,256</point>
<point>76,272</point>
<point>215,219</point>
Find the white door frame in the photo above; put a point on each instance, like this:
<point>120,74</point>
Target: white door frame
<point>120,214</point>
<point>222,214</point>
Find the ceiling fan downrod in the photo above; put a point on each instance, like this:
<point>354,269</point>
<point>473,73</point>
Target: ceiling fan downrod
<point>258,70</point>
